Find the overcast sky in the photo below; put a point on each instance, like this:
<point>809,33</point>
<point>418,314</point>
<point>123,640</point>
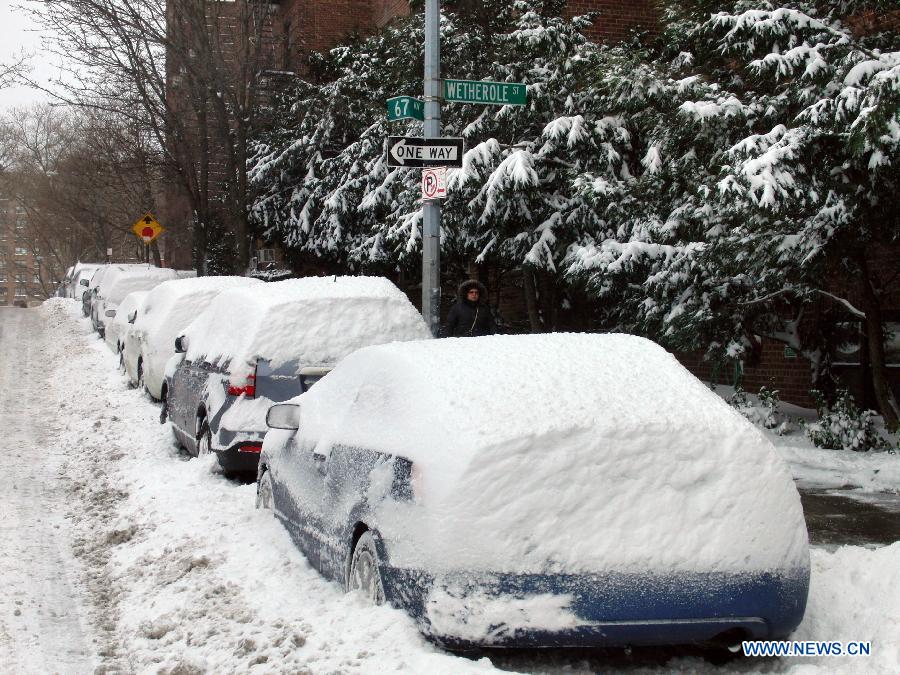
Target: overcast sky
<point>17,32</point>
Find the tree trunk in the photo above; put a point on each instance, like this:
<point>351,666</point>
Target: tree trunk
<point>157,258</point>
<point>887,401</point>
<point>531,300</point>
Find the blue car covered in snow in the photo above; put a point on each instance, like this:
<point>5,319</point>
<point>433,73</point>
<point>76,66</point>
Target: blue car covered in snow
<point>540,490</point>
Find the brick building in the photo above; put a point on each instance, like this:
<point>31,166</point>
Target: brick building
<point>24,281</point>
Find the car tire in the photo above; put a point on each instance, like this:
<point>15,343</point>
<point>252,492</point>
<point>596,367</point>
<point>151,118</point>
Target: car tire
<point>264,496</point>
<point>365,570</point>
<point>204,439</point>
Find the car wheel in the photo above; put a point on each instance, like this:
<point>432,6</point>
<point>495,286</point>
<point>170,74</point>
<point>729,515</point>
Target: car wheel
<point>264,497</point>
<point>365,572</point>
<point>204,440</point>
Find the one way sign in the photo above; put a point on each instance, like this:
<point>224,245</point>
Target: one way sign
<point>415,152</point>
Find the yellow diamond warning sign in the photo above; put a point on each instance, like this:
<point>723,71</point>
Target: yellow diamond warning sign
<point>147,228</point>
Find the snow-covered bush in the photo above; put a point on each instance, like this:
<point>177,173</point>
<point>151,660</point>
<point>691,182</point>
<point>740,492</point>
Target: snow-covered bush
<point>843,426</point>
<point>764,412</point>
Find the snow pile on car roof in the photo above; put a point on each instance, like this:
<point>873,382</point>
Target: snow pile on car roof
<point>117,285</point>
<point>563,452</point>
<point>163,310</point>
<point>314,320</point>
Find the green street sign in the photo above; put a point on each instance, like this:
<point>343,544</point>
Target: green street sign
<point>488,93</point>
<point>405,108</point>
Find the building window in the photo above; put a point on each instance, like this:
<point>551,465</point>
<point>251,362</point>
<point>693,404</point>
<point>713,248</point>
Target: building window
<point>21,292</point>
<point>3,277</point>
<point>266,255</point>
<point>21,250</point>
<point>37,278</point>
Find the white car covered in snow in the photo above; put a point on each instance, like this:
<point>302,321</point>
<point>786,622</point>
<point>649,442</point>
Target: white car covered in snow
<point>540,490</point>
<point>119,325</point>
<point>164,313</point>
<point>255,346</point>
<point>118,283</point>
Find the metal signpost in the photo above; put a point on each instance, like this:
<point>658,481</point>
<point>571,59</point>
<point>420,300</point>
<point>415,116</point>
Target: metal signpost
<point>147,229</point>
<point>432,151</point>
<point>431,222</point>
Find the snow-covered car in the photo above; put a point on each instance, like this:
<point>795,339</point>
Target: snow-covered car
<point>164,313</point>
<point>540,490</point>
<point>118,326</point>
<point>101,273</point>
<point>255,346</point>
<point>118,283</point>
<point>84,290</point>
<point>72,288</point>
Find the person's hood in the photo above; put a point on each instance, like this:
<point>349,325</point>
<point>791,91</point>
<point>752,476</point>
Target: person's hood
<point>468,284</point>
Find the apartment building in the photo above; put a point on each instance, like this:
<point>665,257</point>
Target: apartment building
<point>24,281</point>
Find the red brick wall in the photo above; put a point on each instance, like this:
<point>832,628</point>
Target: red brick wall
<point>791,376</point>
<point>385,10</point>
<point>617,18</point>
<point>317,25</point>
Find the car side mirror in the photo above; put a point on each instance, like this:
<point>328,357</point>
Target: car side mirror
<point>132,316</point>
<point>83,282</point>
<point>181,344</point>
<point>110,313</point>
<point>284,416</point>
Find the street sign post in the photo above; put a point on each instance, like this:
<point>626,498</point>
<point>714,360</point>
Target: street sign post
<point>412,152</point>
<point>486,93</point>
<point>431,209</point>
<point>405,108</point>
<point>434,183</point>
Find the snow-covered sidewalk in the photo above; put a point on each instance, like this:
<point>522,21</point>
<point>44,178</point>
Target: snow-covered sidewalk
<point>184,575</point>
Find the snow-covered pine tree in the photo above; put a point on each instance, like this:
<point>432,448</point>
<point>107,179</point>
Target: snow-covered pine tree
<point>514,201</point>
<point>769,136</point>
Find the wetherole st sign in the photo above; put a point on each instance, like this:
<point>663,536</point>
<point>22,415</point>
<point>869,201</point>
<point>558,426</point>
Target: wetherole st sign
<point>489,93</point>
<point>416,152</point>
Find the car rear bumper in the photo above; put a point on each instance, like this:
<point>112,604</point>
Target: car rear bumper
<point>565,610</point>
<point>242,450</point>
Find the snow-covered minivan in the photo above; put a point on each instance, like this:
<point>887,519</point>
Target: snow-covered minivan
<point>256,346</point>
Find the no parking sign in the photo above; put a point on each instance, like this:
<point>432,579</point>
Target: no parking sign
<point>434,183</point>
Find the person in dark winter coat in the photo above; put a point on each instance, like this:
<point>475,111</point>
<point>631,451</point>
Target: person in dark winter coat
<point>470,315</point>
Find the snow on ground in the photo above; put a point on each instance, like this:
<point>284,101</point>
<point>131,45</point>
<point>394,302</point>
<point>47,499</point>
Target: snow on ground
<point>859,475</point>
<point>185,576</point>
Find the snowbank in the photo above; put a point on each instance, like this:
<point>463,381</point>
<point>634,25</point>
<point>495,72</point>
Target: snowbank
<point>535,453</point>
<point>855,595</point>
<point>316,320</point>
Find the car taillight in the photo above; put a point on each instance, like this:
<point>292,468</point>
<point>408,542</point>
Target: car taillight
<point>245,385</point>
<point>254,448</point>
